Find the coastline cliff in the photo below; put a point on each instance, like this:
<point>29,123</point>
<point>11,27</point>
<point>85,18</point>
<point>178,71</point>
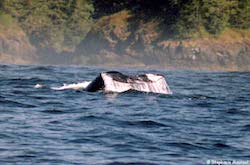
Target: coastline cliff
<point>115,42</point>
<point>15,47</point>
<point>130,36</point>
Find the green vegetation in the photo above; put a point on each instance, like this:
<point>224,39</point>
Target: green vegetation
<point>240,14</point>
<point>183,19</point>
<point>61,25</point>
<point>6,20</point>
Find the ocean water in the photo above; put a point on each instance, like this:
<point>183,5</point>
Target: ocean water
<point>206,118</point>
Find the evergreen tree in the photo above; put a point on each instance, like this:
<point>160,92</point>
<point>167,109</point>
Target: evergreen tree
<point>189,19</point>
<point>59,25</point>
<point>215,14</point>
<point>240,14</point>
<point>62,24</point>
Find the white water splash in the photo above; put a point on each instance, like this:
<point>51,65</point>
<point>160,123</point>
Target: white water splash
<point>39,86</point>
<point>75,86</point>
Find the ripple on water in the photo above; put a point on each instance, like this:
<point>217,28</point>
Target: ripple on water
<point>246,128</point>
<point>145,123</point>
<point>54,111</point>
<point>130,163</point>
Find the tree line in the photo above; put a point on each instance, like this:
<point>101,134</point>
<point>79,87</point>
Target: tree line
<point>181,18</point>
<point>62,24</point>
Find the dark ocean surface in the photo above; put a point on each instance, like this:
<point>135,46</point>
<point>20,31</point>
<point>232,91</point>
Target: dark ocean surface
<point>206,118</point>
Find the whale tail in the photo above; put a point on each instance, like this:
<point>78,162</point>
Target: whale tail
<point>117,82</point>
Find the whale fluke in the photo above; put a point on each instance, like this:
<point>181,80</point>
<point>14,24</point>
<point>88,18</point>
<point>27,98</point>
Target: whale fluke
<point>113,81</point>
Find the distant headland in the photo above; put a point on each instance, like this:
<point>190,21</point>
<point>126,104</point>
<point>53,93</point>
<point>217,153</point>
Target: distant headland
<point>197,35</point>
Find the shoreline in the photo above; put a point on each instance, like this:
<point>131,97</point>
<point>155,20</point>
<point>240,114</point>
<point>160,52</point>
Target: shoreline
<point>130,67</point>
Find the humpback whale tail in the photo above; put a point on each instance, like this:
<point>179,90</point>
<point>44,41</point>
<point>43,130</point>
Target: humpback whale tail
<point>117,82</point>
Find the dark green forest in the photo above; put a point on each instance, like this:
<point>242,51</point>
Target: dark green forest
<point>62,24</point>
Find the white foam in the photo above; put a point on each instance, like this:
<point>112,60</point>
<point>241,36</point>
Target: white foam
<point>39,86</point>
<point>75,86</point>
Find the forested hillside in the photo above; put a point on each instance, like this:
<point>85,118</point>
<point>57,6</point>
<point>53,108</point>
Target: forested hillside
<point>181,18</point>
<point>59,25</point>
<point>142,32</point>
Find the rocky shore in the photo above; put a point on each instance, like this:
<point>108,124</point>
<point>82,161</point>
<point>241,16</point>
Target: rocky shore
<point>114,42</point>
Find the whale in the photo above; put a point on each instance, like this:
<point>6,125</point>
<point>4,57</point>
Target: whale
<point>116,82</point>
